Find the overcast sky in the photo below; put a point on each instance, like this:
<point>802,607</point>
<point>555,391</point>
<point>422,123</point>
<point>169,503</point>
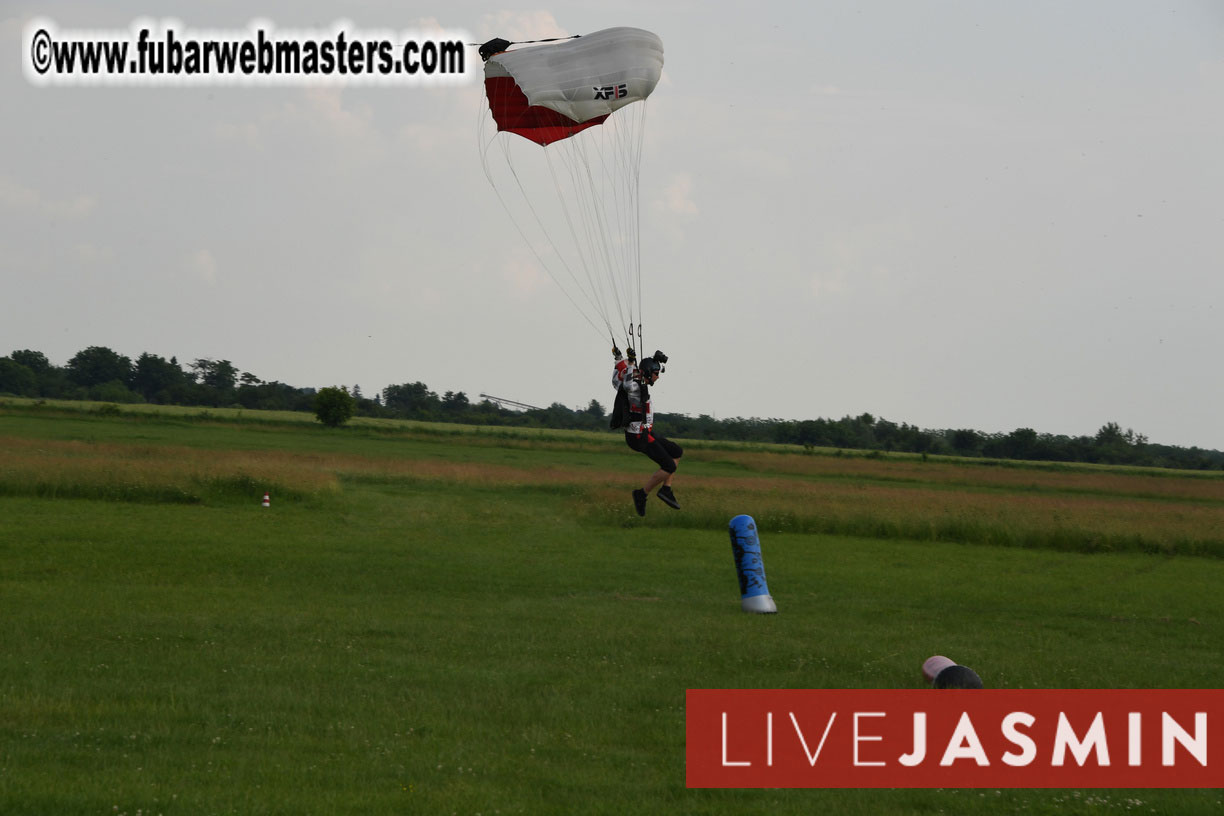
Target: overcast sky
<point>952,214</point>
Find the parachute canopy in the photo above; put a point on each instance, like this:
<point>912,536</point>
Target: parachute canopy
<point>550,92</point>
<point>571,189</point>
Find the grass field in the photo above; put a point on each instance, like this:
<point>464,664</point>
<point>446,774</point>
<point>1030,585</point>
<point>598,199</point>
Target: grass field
<point>434,619</point>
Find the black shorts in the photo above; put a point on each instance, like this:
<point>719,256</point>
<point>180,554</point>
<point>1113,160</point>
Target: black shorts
<point>663,451</point>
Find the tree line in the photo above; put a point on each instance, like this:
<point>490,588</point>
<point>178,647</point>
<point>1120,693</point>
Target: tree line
<point>101,374</point>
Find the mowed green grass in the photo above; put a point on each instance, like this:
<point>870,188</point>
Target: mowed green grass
<point>429,622</point>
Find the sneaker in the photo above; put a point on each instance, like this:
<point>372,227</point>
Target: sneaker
<point>639,501</point>
<point>666,495</point>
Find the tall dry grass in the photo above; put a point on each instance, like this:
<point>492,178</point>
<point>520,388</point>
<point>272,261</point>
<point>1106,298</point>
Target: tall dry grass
<point>1086,511</point>
<point>117,472</point>
<point>982,474</point>
<point>908,499</point>
<point>1083,522</point>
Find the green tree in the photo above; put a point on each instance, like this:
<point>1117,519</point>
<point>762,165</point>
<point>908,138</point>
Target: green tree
<point>114,391</point>
<point>98,364</point>
<point>455,404</point>
<point>17,379</point>
<point>218,374</point>
<point>1019,444</point>
<point>36,361</point>
<point>965,441</point>
<point>411,400</point>
<point>334,406</point>
<point>1114,446</point>
<point>1111,434</point>
<point>154,376</point>
<point>51,381</point>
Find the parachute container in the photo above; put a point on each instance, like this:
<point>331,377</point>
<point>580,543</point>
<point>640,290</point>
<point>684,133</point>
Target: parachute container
<point>571,188</point>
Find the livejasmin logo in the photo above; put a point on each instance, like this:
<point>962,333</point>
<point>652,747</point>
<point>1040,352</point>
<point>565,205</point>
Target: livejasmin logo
<point>1043,738</point>
<point>965,743</point>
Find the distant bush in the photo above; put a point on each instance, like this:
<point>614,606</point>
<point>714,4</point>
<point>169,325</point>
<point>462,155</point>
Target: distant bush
<point>114,391</point>
<point>334,406</point>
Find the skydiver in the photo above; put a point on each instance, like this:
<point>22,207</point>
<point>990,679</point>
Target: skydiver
<point>633,381</point>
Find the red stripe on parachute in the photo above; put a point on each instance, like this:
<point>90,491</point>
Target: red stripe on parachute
<point>535,122</point>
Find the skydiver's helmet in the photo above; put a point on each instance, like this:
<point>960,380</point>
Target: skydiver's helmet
<point>650,366</point>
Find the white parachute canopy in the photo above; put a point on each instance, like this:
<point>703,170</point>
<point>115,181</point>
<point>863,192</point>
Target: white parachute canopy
<point>561,145</point>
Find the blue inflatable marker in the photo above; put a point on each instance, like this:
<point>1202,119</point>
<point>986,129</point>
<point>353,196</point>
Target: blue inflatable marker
<point>746,546</point>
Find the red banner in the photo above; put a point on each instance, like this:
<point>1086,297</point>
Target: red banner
<point>924,738</point>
